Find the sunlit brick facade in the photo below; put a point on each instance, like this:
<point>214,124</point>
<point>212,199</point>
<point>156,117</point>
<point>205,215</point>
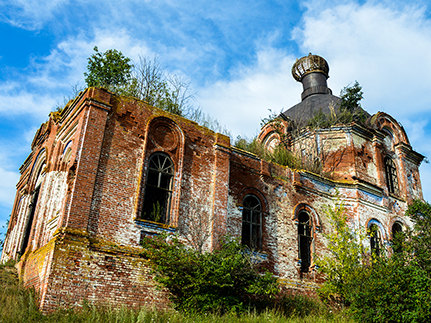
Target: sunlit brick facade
<point>108,170</point>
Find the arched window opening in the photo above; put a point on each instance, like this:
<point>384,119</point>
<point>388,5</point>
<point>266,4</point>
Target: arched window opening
<point>252,223</point>
<point>375,239</point>
<point>32,208</point>
<point>391,176</point>
<point>397,236</point>
<point>158,189</point>
<point>305,239</point>
<point>29,222</point>
<point>67,152</point>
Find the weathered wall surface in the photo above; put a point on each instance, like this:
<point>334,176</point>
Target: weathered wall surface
<point>99,271</point>
<point>84,182</point>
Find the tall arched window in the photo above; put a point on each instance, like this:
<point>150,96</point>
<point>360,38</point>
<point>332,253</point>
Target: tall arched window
<point>252,222</point>
<point>32,207</point>
<point>158,189</point>
<point>391,176</point>
<point>305,239</point>
<point>375,239</point>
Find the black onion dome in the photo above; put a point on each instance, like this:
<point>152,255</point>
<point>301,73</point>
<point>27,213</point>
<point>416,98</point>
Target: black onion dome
<point>309,64</point>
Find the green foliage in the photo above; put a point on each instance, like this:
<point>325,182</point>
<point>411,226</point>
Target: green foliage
<point>110,69</point>
<point>351,97</point>
<point>348,111</point>
<point>392,289</point>
<point>156,212</point>
<point>420,238</point>
<point>384,288</point>
<point>273,116</point>
<point>150,82</point>
<point>344,264</point>
<point>280,155</point>
<point>221,281</point>
<point>207,121</point>
<point>20,305</point>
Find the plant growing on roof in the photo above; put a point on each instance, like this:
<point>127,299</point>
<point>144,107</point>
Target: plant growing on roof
<point>110,69</point>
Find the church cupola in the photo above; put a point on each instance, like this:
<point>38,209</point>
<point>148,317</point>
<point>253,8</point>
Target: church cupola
<point>312,71</point>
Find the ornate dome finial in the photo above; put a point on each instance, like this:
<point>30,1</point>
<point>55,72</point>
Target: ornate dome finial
<point>309,64</point>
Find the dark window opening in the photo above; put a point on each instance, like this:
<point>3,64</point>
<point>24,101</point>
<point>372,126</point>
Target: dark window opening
<point>375,239</point>
<point>391,176</point>
<point>29,223</point>
<point>158,189</point>
<point>252,223</point>
<point>305,239</point>
<point>397,236</point>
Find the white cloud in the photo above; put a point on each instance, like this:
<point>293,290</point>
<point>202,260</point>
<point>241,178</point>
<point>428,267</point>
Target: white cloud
<point>30,14</point>
<point>384,49</point>
<point>14,101</point>
<point>7,187</point>
<point>243,101</point>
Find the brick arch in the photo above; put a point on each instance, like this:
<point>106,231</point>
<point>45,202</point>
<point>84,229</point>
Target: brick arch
<point>397,219</point>
<point>163,135</point>
<point>305,207</point>
<point>383,230</point>
<point>40,160</point>
<point>383,121</point>
<point>260,196</point>
<point>271,132</point>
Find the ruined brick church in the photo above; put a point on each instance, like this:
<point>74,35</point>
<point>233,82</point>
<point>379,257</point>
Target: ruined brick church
<point>108,170</point>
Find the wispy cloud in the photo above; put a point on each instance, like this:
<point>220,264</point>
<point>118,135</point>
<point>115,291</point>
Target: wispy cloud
<point>7,187</point>
<point>29,14</point>
<point>14,101</point>
<point>243,101</point>
<point>385,49</point>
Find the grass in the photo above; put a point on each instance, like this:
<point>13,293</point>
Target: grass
<point>18,304</point>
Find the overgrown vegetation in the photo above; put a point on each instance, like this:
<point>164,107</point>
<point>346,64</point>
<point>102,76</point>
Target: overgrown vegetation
<point>146,80</point>
<point>347,258</point>
<point>20,305</point>
<point>110,69</point>
<point>313,151</point>
<point>280,155</point>
<point>225,280</point>
<point>389,287</point>
<point>349,109</point>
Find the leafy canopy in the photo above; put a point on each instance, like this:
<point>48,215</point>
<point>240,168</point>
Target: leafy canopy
<point>110,69</point>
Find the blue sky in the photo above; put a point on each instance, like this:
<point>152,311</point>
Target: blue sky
<point>236,54</point>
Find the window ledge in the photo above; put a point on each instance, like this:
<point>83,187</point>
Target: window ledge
<point>154,227</point>
<point>397,197</point>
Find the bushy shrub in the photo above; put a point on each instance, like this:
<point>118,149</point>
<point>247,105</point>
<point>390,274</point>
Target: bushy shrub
<point>390,287</point>
<point>216,282</point>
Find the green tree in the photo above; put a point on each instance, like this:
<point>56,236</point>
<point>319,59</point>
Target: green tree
<point>110,69</point>
<point>349,109</point>
<point>351,97</point>
<point>420,237</point>
<point>221,281</point>
<point>343,266</point>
